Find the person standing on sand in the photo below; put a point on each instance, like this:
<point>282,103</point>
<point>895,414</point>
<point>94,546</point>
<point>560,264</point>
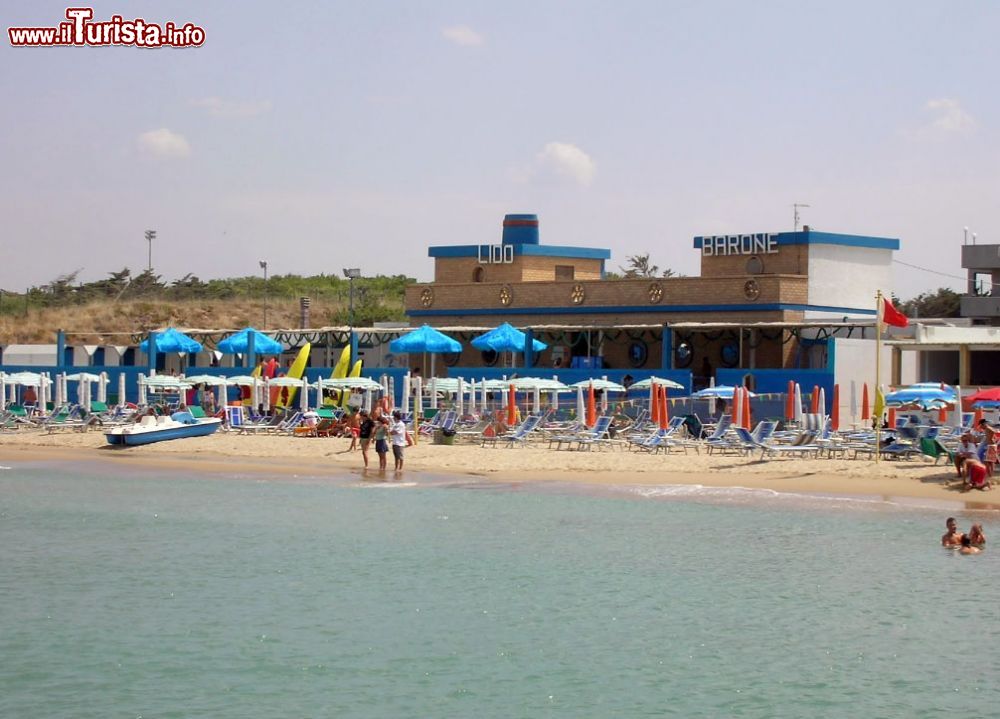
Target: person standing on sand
<point>397,431</point>
<point>951,538</point>
<point>365,434</point>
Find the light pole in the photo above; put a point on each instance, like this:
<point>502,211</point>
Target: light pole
<point>150,236</point>
<point>351,275</point>
<point>263,266</point>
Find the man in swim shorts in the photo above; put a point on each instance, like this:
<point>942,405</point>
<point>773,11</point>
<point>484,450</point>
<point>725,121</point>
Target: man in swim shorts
<point>951,538</point>
<point>397,432</point>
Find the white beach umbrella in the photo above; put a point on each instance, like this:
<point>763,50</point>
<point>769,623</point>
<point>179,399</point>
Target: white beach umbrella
<point>432,397</point>
<point>418,399</point>
<point>88,395</point>
<point>223,398</point>
<point>472,396</point>
<point>581,406</point>
<point>711,402</point>
<point>391,382</point>
<point>822,401</point>
<point>43,391</point>
<point>265,396</point>
<point>12,393</point>
<point>737,409</point>
<point>956,415</point>
<point>121,388</point>
<point>404,406</point>
<point>3,391</point>
<point>304,395</point>
<point>102,388</point>
<point>60,398</point>
<point>537,400</point>
<point>797,405</point>
<point>81,391</point>
<point>460,397</point>
<point>482,395</point>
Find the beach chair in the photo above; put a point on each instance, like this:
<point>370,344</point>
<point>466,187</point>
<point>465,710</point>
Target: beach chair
<point>586,438</point>
<point>803,444</point>
<point>520,435</point>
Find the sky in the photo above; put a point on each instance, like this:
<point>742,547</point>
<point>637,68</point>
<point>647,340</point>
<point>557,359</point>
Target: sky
<point>327,135</point>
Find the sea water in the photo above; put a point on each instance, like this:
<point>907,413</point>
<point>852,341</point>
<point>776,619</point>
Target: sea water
<point>157,595</point>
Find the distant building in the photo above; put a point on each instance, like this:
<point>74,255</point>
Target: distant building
<point>982,301</point>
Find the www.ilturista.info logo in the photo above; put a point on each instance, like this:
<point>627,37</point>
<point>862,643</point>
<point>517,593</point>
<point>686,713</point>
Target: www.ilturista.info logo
<point>80,31</point>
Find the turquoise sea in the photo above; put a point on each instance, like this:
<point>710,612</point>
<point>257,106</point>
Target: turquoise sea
<point>151,595</point>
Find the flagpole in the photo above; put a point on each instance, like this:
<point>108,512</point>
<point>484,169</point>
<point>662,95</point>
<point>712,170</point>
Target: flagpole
<point>878,370</point>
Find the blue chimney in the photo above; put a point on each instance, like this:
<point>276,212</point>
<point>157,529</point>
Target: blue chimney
<point>520,230</point>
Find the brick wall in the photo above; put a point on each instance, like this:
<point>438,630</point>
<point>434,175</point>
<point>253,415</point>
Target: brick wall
<point>524,268</point>
<point>788,260</point>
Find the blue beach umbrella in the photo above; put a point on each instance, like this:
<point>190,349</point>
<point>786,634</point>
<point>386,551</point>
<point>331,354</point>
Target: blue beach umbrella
<point>425,339</point>
<point>239,342</point>
<point>926,395</point>
<point>172,340</point>
<point>722,391</point>
<point>506,338</point>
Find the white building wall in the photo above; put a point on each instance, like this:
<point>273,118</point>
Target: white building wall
<point>841,276</point>
<point>854,365</point>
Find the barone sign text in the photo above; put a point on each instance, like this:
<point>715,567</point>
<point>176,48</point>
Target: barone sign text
<point>759,244</point>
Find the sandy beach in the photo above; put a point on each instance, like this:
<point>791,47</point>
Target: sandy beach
<point>898,480</point>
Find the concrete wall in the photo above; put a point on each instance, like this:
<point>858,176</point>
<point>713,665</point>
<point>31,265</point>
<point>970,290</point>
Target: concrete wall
<point>854,365</point>
<point>841,276</point>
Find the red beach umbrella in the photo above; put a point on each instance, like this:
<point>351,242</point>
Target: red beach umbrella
<point>942,415</point>
<point>746,409</point>
<point>591,407</point>
<point>865,407</point>
<point>815,400</point>
<point>664,409</point>
<point>511,406</point>
<point>985,395</point>
<point>835,414</point>
<point>892,417</point>
<point>790,402</point>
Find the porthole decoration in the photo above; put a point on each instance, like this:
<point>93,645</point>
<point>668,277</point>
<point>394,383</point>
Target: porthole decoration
<point>427,297</point>
<point>578,294</point>
<point>506,295</point>
<point>683,355</point>
<point>655,293</point>
<point>751,289</point>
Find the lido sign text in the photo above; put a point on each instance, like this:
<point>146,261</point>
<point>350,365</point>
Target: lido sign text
<point>759,244</point>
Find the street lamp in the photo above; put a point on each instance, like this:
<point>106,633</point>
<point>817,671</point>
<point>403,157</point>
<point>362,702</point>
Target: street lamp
<point>263,266</point>
<point>351,275</point>
<point>150,236</point>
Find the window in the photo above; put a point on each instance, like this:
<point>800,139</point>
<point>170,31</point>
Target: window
<point>478,274</point>
<point>565,272</point>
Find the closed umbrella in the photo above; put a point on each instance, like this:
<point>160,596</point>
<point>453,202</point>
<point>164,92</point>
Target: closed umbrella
<point>892,417</point>
<point>835,411</point>
<point>141,383</point>
<point>654,404</point>
<point>404,406</point>
<point>304,396</point>
<point>664,408</point>
<point>511,406</point>
<point>957,420</point>
<point>60,399</point>
<point>747,419</point>
<point>460,398</point>
<point>814,405</point>
<point>581,405</point>
<point>591,407</point>
<point>821,403</point>
<point>102,388</point>
<point>3,391</point>
<point>865,406</point>
<point>798,403</point>
<point>790,401</point>
<point>121,389</point>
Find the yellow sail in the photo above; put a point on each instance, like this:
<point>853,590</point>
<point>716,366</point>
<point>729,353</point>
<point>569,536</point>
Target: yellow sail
<point>296,371</point>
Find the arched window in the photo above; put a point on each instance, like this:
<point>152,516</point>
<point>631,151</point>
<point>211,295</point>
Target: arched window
<point>479,274</point>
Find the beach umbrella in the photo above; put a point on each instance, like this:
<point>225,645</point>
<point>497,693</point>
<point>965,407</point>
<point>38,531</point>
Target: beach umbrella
<point>650,381</point>
<point>790,401</point>
<point>166,382</point>
<point>926,395</point>
<point>892,417</point>
<point>121,389</point>
<point>212,380</point>
<point>654,404</point>
<point>172,340</point>
<point>102,388</point>
<point>865,407</point>
<point>511,406</point>
<point>425,340</point>
<point>3,391</point>
<point>591,407</point>
<point>506,338</point>
<point>737,407</point>
<point>747,420</point>
<point>366,383</point>
<point>835,412</point>
<point>814,404</point>
<point>664,408</point>
<point>721,391</point>
<point>60,396</point>
<point>985,395</point>
<point>404,406</point>
<point>602,384</point>
<point>141,383</point>
<point>304,394</point>
<point>239,343</point>
<point>581,405</point>
<point>822,401</point>
<point>536,405</point>
<point>957,419</point>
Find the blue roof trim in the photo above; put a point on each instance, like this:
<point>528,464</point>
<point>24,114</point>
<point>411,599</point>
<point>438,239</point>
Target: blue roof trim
<point>769,307</point>
<point>826,238</point>
<point>584,253</point>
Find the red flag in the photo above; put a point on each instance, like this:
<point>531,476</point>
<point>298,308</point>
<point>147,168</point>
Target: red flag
<point>892,316</point>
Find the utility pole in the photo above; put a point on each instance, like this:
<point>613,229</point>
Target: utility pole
<point>150,236</point>
<point>263,266</point>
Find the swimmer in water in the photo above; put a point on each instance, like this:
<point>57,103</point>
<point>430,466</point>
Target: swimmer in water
<point>967,547</point>
<point>976,536</point>
<point>951,538</point>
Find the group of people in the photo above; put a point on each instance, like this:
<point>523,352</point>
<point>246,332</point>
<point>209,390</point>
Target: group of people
<point>385,431</point>
<point>971,543</point>
<point>977,455</point>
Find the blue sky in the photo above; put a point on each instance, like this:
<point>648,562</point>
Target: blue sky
<point>331,135</point>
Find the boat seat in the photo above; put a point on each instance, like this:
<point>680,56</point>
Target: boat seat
<point>147,421</point>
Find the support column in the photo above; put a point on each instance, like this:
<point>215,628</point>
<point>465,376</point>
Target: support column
<point>964,365</point>
<point>897,367</point>
<point>529,347</point>
<point>354,350</point>
<point>667,348</point>
<point>250,360</point>
<point>151,354</point>
<point>60,349</point>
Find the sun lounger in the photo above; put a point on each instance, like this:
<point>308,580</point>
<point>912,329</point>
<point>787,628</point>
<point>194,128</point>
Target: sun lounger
<point>520,436</point>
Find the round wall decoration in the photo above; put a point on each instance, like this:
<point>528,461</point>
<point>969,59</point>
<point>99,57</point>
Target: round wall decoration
<point>427,296</point>
<point>751,289</point>
<point>638,352</point>
<point>683,355</point>
<point>755,265</point>
<point>578,294</point>
<point>506,295</point>
<point>655,293</point>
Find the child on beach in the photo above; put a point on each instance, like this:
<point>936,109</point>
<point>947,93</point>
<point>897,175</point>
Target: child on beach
<point>381,442</point>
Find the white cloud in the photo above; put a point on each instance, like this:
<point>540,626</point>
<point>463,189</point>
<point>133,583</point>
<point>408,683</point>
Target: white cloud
<point>566,160</point>
<point>950,117</point>
<point>463,35</point>
<point>164,143</point>
<point>218,107</point>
